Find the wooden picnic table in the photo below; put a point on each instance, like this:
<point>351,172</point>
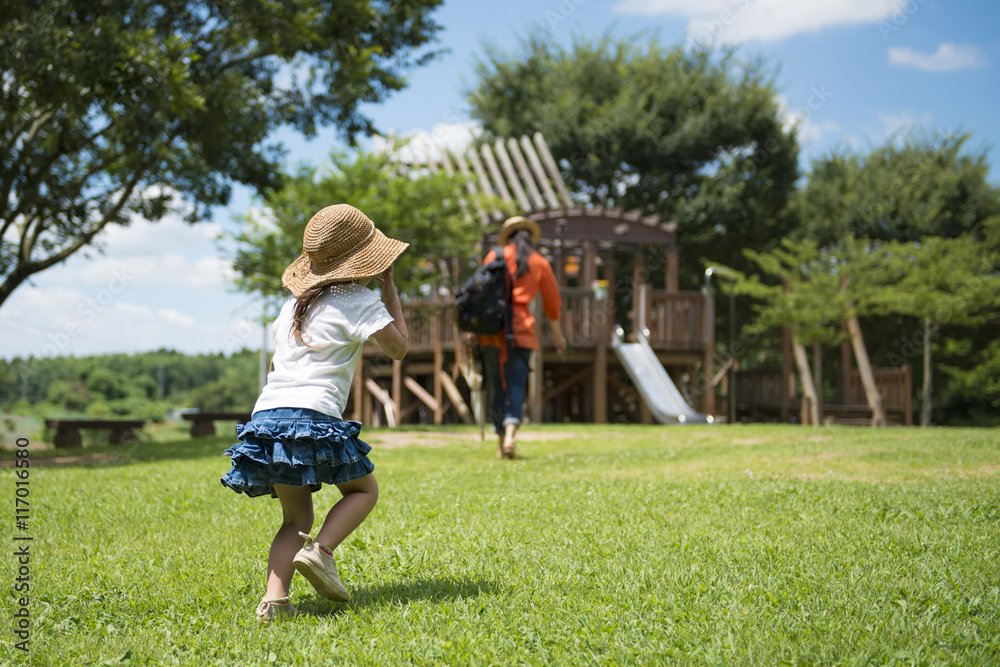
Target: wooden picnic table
<point>68,430</point>
<point>202,423</point>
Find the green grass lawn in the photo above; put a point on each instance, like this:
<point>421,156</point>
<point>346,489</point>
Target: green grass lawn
<point>603,545</point>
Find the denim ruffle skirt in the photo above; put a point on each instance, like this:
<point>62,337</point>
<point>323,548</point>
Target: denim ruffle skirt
<point>297,447</point>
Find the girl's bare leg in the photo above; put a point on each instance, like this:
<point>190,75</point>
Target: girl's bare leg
<point>359,499</point>
<point>297,515</point>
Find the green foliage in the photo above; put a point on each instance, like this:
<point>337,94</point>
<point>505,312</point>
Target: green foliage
<point>233,392</point>
<point>943,280</point>
<point>804,291</point>
<point>419,208</point>
<point>139,386</point>
<point>972,366</point>
<point>696,137</point>
<point>605,545</point>
<point>928,221</point>
<point>111,110</point>
<point>902,191</point>
<point>72,396</point>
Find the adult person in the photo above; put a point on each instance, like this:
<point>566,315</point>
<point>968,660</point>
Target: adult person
<point>506,366</point>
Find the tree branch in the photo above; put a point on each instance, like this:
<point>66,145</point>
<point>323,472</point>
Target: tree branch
<point>87,236</point>
<point>29,139</point>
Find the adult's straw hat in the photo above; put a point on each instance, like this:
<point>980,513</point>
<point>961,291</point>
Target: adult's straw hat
<point>340,244</point>
<point>511,225</point>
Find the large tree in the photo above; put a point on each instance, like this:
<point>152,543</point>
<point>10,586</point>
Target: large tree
<point>694,136</point>
<point>928,212</point>
<point>111,110</point>
<point>916,186</point>
<point>941,282</point>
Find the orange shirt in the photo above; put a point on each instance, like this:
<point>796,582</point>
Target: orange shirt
<point>538,278</point>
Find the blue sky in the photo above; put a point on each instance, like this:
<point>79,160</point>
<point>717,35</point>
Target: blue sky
<point>852,73</point>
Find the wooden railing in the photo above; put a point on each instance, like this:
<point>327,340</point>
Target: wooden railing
<point>675,320</point>
<point>583,318</point>
<point>430,323</point>
<point>761,390</point>
<point>894,384</point>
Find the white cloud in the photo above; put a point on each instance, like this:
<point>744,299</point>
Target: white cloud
<point>948,57</point>
<point>172,316</point>
<point>713,22</point>
<point>153,285</point>
<point>60,321</point>
<point>807,130</point>
<point>420,145</point>
<point>143,237</point>
<point>169,253</point>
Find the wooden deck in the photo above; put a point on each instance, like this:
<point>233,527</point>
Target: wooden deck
<point>434,383</point>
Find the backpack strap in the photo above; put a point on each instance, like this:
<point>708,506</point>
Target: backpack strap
<point>508,314</point>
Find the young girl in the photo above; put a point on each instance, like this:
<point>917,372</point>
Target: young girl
<point>296,439</point>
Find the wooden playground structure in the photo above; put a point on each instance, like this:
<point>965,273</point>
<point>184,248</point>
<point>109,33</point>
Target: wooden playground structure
<point>437,382</point>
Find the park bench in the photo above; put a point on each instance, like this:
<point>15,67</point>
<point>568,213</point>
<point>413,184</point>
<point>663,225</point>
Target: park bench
<point>68,430</point>
<point>202,423</point>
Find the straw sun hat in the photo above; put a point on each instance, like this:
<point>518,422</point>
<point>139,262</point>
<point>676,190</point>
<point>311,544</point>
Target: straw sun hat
<point>511,225</point>
<point>340,244</point>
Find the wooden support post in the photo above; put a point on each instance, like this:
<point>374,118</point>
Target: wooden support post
<point>456,398</point>
<point>391,409</point>
<point>673,267</point>
<point>422,394</point>
<point>644,299</point>
<point>438,357</point>
<point>639,276</point>
<point>907,395</point>
<point>589,276</point>
<point>397,386</point>
<point>708,365</point>
<point>603,320</point>
<point>610,305</point>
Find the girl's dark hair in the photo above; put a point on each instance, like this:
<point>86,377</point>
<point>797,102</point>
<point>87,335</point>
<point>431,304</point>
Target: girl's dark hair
<point>522,244</point>
<point>302,304</point>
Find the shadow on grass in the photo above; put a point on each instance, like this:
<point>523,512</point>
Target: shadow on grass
<point>388,595</point>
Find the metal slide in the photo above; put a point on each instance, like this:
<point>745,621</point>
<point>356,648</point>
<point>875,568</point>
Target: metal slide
<point>653,382</point>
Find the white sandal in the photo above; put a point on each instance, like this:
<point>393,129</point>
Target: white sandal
<point>276,609</point>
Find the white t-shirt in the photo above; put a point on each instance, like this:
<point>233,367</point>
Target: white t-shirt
<point>317,374</point>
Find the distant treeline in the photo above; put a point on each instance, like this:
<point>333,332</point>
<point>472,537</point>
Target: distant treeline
<point>143,385</point>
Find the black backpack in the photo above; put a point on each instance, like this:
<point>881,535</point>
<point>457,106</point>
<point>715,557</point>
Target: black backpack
<point>485,303</point>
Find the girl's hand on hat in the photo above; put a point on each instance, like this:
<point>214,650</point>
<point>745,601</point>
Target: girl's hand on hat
<point>385,280</point>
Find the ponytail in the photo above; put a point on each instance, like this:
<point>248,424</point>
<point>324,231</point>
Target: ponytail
<point>523,247</point>
<point>302,308</point>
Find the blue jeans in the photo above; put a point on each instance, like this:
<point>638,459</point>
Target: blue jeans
<point>506,407</point>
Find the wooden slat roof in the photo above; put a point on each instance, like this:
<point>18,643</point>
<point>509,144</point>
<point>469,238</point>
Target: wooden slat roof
<point>523,172</point>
